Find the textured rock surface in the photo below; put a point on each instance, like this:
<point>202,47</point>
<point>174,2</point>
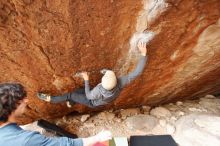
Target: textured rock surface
<point>43,42</point>
<point>201,126</point>
<point>140,122</point>
<point>160,112</point>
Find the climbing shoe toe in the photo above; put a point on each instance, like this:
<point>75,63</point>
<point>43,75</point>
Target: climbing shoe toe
<point>44,97</point>
<point>70,103</point>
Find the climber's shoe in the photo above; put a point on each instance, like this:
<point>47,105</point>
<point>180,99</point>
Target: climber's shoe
<point>69,104</point>
<point>44,97</point>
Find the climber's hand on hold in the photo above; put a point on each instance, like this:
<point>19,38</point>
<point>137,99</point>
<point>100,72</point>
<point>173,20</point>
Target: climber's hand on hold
<point>85,76</point>
<point>142,48</point>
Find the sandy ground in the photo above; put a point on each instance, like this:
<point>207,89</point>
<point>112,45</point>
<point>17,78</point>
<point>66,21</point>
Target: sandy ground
<point>191,123</point>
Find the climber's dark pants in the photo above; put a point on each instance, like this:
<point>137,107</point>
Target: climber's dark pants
<point>77,96</point>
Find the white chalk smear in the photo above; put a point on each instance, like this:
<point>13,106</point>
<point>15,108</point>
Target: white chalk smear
<point>145,37</point>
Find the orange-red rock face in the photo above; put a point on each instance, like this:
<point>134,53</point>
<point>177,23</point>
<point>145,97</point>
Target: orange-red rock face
<point>43,42</point>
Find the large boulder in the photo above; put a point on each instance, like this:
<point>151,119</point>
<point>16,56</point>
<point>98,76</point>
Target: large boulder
<point>42,43</point>
<point>198,129</point>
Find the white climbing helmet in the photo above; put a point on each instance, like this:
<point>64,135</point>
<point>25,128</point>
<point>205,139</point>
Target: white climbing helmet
<point>109,80</point>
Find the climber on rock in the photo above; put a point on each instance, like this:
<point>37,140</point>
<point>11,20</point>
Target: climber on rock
<point>106,91</point>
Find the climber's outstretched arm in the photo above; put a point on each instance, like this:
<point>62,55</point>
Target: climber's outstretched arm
<point>124,80</point>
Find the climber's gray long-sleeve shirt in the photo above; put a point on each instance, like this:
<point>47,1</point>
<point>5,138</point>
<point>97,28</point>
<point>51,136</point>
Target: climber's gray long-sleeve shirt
<point>100,96</point>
